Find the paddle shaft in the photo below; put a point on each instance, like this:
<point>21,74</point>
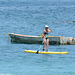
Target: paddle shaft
<point>39,47</point>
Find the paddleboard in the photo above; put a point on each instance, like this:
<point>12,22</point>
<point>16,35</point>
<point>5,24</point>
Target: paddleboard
<point>41,52</point>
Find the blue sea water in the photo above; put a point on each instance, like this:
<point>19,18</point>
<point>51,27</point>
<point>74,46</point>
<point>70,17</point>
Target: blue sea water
<point>29,17</point>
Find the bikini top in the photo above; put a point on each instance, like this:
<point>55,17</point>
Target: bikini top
<point>45,33</point>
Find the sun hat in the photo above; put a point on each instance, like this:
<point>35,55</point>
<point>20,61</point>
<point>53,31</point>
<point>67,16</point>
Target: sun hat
<point>46,25</point>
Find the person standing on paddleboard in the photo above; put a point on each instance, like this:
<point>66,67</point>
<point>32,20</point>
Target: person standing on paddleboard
<point>45,38</point>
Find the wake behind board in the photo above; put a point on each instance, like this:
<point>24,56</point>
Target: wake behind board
<point>40,52</point>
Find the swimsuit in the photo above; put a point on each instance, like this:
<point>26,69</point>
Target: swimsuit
<point>46,33</point>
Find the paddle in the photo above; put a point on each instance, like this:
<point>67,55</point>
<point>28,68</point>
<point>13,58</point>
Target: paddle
<point>40,47</point>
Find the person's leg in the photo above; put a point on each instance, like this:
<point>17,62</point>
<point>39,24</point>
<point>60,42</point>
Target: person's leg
<point>47,44</point>
<point>44,44</point>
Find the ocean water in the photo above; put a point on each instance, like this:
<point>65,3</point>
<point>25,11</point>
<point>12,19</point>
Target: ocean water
<point>29,17</point>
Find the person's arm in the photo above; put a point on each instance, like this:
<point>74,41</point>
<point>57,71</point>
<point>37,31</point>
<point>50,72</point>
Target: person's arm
<point>50,30</point>
<point>43,34</point>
